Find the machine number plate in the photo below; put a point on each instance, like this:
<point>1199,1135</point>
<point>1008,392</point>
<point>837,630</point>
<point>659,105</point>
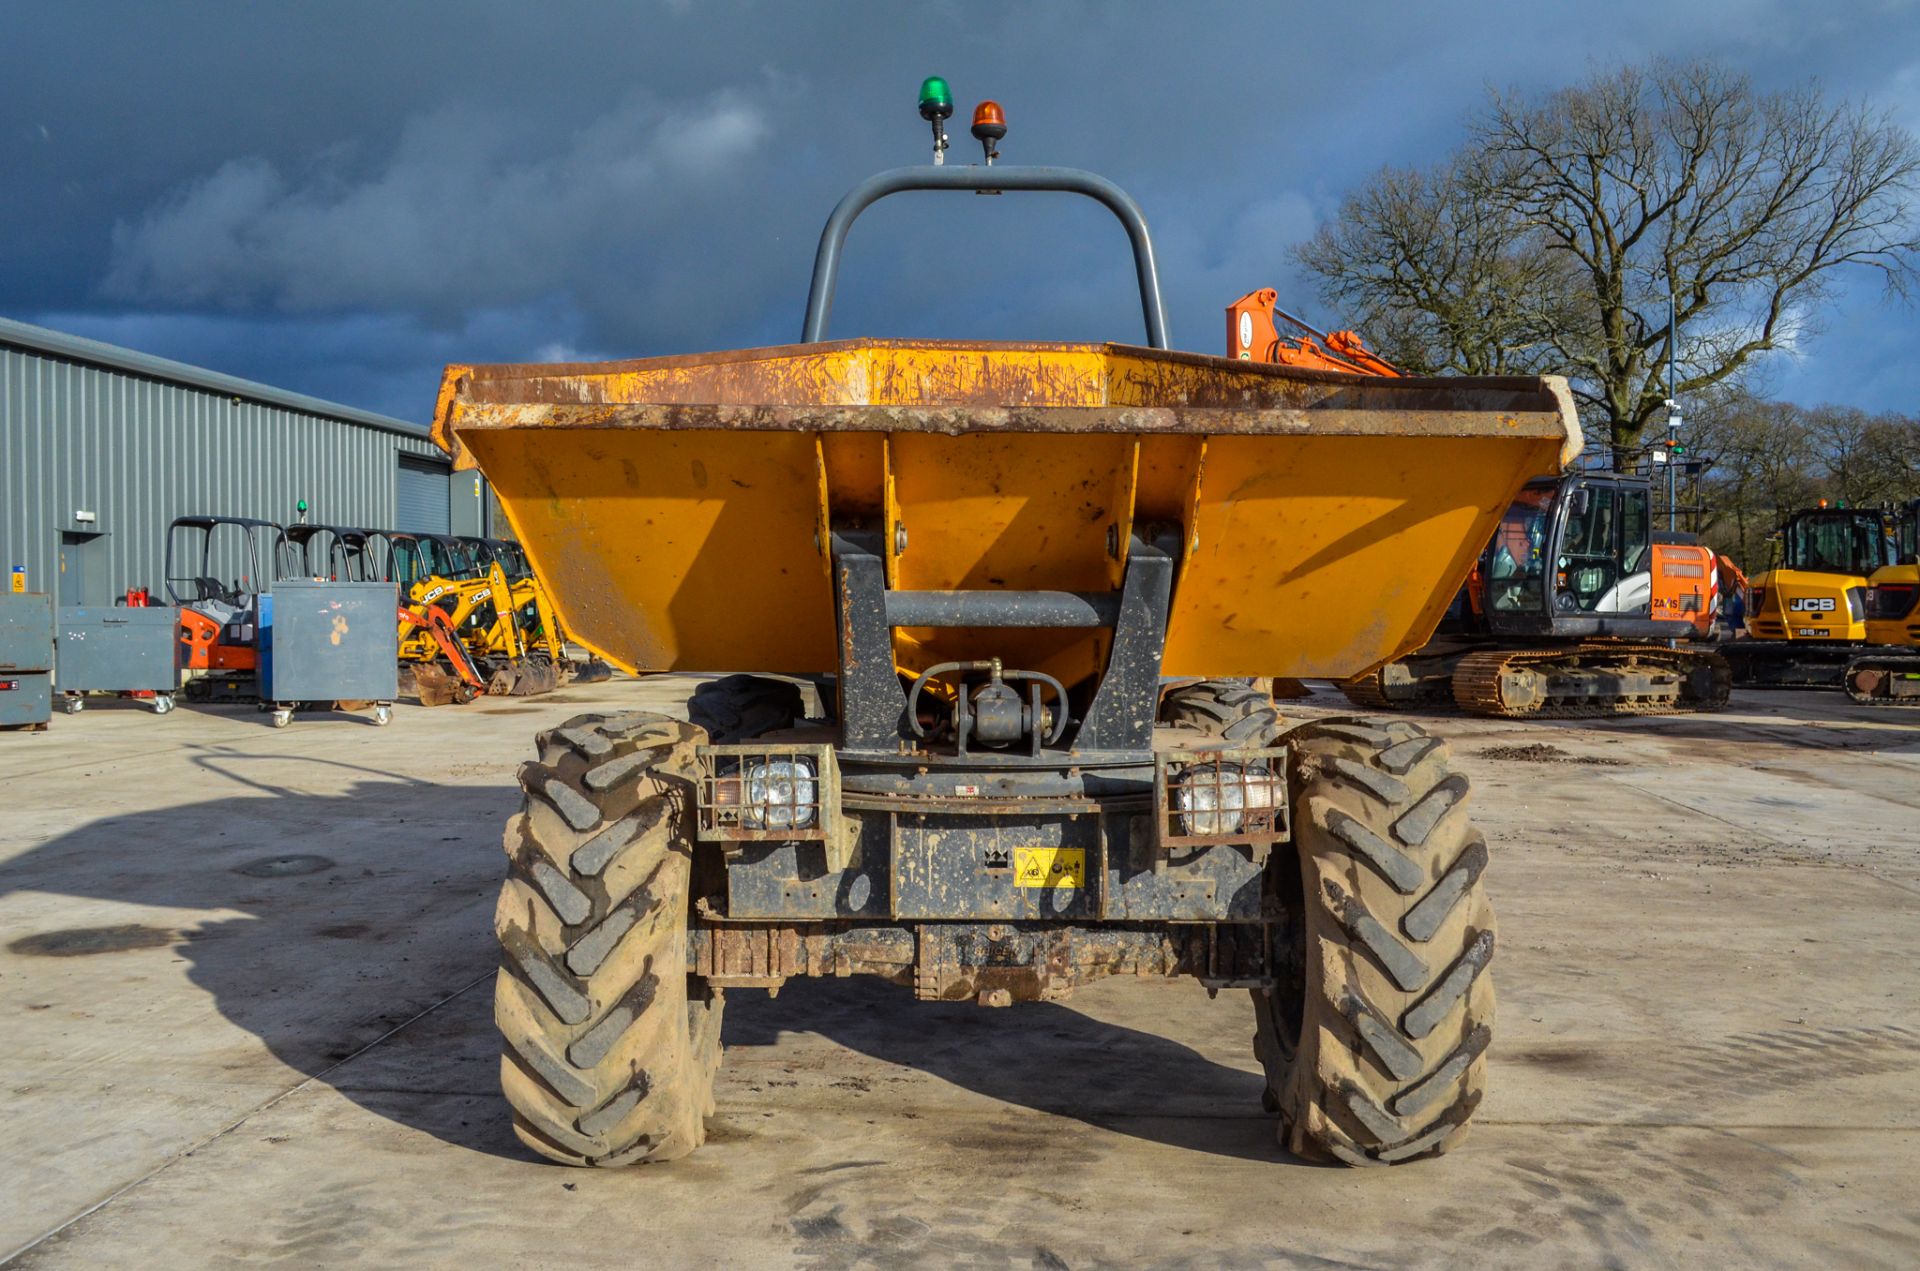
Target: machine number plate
<point>1050,867</point>
<point>1808,631</point>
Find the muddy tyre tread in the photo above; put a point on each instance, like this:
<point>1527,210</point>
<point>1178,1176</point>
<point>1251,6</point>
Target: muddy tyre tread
<point>737,707</point>
<point>1395,1002</point>
<point>1234,711</point>
<point>609,1048</point>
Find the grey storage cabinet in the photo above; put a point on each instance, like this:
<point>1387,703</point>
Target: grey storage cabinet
<point>117,649</point>
<point>330,642</point>
<point>26,659</point>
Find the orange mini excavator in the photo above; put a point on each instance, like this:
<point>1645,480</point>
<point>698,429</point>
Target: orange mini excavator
<point>216,569</point>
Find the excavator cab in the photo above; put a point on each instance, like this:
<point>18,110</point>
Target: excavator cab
<point>1575,556</point>
<point>220,560</point>
<point>404,557</point>
<point>337,552</point>
<point>511,556</point>
<point>1570,611</point>
<point>1852,542</point>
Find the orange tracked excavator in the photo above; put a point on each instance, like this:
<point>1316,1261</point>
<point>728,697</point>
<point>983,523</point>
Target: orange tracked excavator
<point>1253,337</point>
<point>1574,607</point>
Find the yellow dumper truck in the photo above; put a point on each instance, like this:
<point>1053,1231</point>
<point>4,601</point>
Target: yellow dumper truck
<point>993,557</point>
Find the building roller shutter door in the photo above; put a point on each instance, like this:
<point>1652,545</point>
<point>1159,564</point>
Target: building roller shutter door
<point>423,505</point>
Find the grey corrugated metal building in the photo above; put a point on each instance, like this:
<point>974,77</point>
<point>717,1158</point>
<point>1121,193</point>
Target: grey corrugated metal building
<point>101,447</point>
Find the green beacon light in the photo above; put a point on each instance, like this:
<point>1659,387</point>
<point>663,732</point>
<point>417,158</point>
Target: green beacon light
<point>936,107</point>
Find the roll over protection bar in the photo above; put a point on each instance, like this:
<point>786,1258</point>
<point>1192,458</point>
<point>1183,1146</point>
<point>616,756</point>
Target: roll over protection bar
<point>826,261</point>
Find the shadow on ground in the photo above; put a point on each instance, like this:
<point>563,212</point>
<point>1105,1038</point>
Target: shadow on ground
<point>335,918</point>
<point>1045,1056</point>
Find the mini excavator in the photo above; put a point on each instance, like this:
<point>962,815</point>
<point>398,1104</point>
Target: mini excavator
<point>1808,610</point>
<point>1887,671</point>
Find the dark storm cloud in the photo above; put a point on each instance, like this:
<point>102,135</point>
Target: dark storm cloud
<point>340,198</point>
<point>472,207</point>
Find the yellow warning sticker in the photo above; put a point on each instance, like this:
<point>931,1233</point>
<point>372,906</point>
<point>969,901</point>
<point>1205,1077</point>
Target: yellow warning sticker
<point>1049,867</point>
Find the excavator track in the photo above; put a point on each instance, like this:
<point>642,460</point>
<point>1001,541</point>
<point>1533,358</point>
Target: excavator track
<point>1874,680</point>
<point>1373,691</point>
<point>1589,681</point>
<point>1365,692</point>
<point>1788,663</point>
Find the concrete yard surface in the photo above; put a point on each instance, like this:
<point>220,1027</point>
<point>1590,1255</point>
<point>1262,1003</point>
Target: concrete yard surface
<point>246,975</point>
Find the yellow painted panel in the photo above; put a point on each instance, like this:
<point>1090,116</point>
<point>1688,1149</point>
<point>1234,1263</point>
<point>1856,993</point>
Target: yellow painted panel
<point>1013,511</point>
<point>673,550</point>
<point>854,467</point>
<point>1900,630</point>
<point>1323,556</point>
<point>1329,519</point>
<point>1010,511</point>
<point>903,375</point>
<point>1806,604</point>
<point>1168,467</point>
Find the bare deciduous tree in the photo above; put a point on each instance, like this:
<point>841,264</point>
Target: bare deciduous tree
<point>1552,238</point>
<point>1438,280</point>
<point>1767,459</point>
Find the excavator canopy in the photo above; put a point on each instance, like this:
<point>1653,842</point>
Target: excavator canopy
<point>680,508</point>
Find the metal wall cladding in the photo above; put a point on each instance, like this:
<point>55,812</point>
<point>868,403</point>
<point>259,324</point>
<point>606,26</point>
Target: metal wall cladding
<point>136,451</point>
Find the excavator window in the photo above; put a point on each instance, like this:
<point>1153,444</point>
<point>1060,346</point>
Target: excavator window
<point>1636,536</point>
<point>1516,560</point>
<point>1607,543</point>
<point>204,551</point>
<point>1589,562</point>
<point>1836,542</point>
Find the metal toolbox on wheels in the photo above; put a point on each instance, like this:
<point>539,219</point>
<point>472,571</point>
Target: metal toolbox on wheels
<point>26,659</point>
<point>328,642</point>
<point>117,649</point>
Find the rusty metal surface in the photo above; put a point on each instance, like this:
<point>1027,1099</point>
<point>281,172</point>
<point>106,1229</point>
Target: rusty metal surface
<point>1448,414</point>
<point>999,385</point>
<point>681,508</point>
<point>994,963</point>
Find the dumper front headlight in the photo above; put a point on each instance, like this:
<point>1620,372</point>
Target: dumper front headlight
<point>781,794</point>
<point>772,792</point>
<point>1214,798</point>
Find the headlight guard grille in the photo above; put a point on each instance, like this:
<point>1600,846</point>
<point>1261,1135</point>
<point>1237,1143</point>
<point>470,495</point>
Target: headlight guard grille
<point>1210,798</point>
<point>769,792</point>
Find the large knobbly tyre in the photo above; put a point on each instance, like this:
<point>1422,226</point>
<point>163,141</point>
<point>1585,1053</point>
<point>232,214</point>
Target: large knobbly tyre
<point>610,1047</point>
<point>736,707</point>
<point>1374,1044</point>
<point>1233,710</point>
